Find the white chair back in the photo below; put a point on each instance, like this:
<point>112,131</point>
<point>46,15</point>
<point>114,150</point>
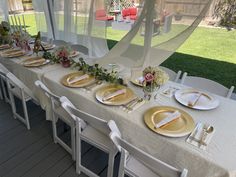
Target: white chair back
<point>14,81</point>
<point>4,94</point>
<point>60,43</point>
<point>207,84</point>
<point>44,39</point>
<point>80,48</point>
<point>167,23</point>
<point>160,168</point>
<point>93,121</point>
<point>54,98</point>
<point>173,76</point>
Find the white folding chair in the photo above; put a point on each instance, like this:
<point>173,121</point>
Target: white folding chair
<point>94,131</point>
<point>4,91</point>
<point>167,23</point>
<point>44,39</point>
<point>18,89</point>
<point>59,113</point>
<point>173,76</point>
<point>207,84</point>
<point>137,163</point>
<point>80,48</point>
<point>59,42</point>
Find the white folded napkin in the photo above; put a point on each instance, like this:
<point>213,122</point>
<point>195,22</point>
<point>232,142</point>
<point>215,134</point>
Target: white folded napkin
<point>194,99</point>
<point>78,78</point>
<point>114,94</point>
<point>140,80</point>
<point>169,118</point>
<point>40,60</point>
<point>199,138</point>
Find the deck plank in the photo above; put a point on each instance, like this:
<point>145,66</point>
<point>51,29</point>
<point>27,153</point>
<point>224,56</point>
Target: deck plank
<point>13,162</point>
<point>33,153</point>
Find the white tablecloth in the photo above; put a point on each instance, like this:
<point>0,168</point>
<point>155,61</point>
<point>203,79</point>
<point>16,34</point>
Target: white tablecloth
<point>218,160</point>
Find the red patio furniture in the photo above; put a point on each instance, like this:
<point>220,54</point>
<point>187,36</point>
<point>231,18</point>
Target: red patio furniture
<point>101,15</point>
<point>130,12</point>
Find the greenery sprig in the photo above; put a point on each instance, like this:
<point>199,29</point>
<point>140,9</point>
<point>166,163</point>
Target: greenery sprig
<point>95,70</point>
<point>51,56</point>
<point>99,72</point>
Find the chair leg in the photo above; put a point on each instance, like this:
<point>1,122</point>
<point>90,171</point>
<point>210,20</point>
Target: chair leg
<point>26,114</point>
<point>1,93</point>
<point>5,91</point>
<point>78,155</point>
<point>13,105</point>
<point>73,146</point>
<point>110,164</point>
<point>54,128</point>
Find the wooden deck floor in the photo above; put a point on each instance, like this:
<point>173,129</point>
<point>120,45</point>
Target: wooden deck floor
<point>33,153</point>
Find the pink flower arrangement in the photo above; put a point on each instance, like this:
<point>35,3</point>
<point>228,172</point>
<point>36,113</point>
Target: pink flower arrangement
<point>154,77</point>
<point>149,77</point>
<point>62,54</point>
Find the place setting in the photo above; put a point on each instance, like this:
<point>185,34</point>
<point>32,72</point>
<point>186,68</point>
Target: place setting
<point>4,46</point>
<point>196,99</point>
<point>11,53</point>
<point>35,61</point>
<point>169,121</point>
<point>78,80</point>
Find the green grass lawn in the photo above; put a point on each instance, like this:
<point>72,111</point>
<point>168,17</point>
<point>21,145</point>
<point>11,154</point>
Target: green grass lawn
<point>208,52</point>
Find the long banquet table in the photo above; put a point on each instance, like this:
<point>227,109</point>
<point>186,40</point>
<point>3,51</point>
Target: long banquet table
<point>219,160</point>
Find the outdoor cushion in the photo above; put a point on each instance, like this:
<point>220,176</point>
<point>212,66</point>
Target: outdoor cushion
<point>125,12</point>
<point>100,13</point>
<point>108,18</point>
<point>133,11</point>
<point>133,17</point>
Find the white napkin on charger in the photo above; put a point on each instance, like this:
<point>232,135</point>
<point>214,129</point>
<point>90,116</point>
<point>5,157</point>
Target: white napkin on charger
<point>171,117</point>
<point>35,61</point>
<point>196,136</point>
<point>140,80</point>
<point>78,78</point>
<point>114,94</point>
<point>194,99</point>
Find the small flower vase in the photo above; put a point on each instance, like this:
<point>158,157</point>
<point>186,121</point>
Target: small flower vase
<point>149,92</point>
<point>65,62</point>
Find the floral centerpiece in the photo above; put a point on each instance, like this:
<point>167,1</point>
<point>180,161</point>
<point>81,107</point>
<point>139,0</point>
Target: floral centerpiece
<point>5,35</point>
<point>24,41</point>
<point>153,78</point>
<point>62,55</point>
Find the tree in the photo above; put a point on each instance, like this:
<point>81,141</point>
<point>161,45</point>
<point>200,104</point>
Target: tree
<point>225,10</point>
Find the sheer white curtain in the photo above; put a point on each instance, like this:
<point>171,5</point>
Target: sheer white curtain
<point>75,22</point>
<point>3,10</point>
<point>158,31</point>
<point>42,17</point>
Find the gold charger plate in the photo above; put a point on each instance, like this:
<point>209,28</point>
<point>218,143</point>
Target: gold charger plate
<point>4,46</point>
<point>177,128</point>
<point>78,84</point>
<point>13,53</point>
<point>117,100</point>
<point>40,63</point>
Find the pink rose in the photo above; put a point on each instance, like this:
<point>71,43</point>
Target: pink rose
<point>149,77</point>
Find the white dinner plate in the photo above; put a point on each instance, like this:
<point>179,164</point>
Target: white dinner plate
<point>205,102</point>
